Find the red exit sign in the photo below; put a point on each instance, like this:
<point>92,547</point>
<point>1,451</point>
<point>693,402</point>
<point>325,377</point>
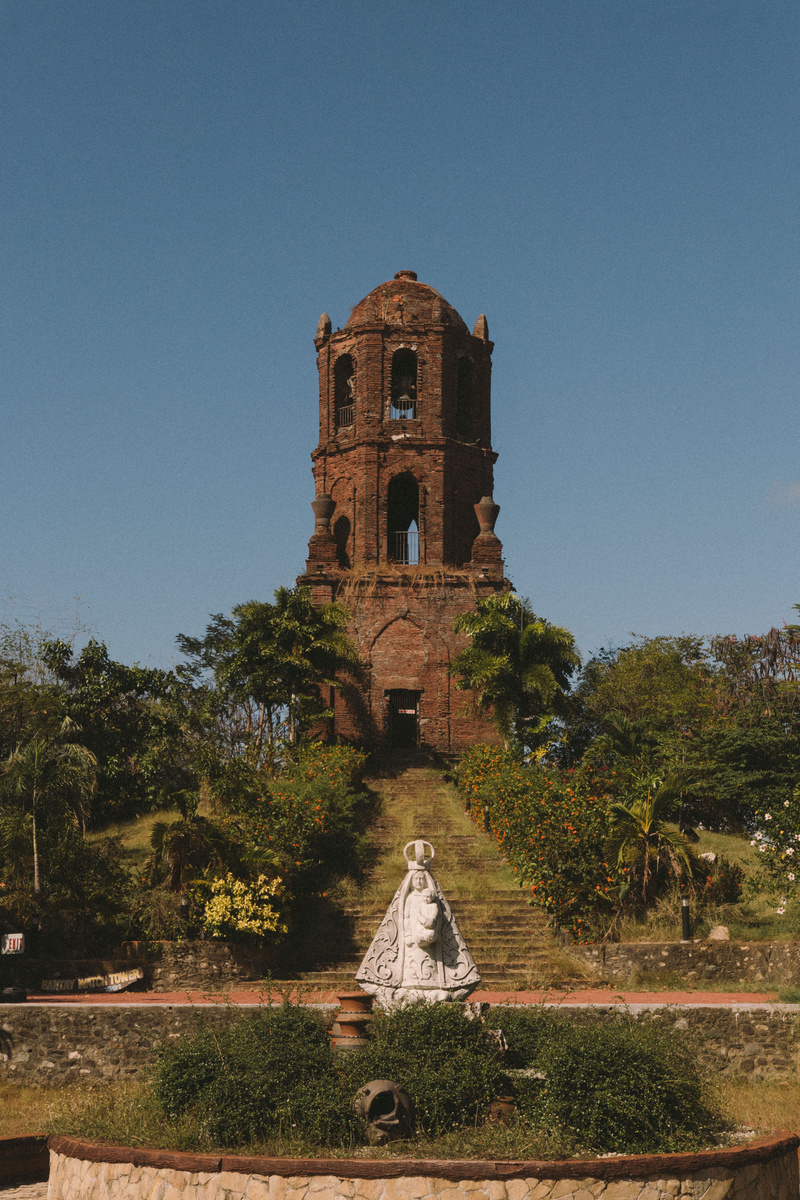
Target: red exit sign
<point>12,943</point>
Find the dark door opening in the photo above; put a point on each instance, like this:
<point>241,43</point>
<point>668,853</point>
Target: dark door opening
<point>402,518</point>
<point>403,719</point>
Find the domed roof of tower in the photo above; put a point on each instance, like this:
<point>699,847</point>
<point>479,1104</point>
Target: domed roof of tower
<point>404,301</point>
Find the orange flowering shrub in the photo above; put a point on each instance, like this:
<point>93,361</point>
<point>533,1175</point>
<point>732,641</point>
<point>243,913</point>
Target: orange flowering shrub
<point>551,831</point>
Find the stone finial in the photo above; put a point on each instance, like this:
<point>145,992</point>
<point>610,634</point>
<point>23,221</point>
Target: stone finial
<point>486,549</point>
<point>322,548</point>
<point>418,952</point>
<point>405,274</point>
<point>323,328</point>
<point>486,511</point>
<point>481,329</point>
<point>323,508</point>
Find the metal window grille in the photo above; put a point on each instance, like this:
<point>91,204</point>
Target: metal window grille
<point>404,409</point>
<point>404,546</point>
<point>345,415</point>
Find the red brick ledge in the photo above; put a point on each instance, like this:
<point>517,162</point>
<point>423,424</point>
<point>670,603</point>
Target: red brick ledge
<point>24,1159</point>
<point>636,1166</point>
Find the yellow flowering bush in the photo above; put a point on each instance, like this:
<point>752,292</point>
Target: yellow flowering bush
<point>236,907</point>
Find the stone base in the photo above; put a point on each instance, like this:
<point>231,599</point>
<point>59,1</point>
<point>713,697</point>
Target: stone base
<point>765,1169</point>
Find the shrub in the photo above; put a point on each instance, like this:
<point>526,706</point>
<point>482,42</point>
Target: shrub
<point>550,832</point>
<point>616,1087</point>
<point>276,1074</point>
<point>310,818</point>
<point>721,883</point>
<point>443,1060</point>
<point>272,1077</point>
<point>234,907</point>
<point>260,1076</point>
<point>777,839</point>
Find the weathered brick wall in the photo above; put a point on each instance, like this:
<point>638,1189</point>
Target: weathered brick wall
<point>403,626</point>
<point>405,632</point>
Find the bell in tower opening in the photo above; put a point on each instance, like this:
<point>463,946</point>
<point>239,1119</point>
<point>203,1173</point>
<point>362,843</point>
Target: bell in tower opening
<point>404,533</point>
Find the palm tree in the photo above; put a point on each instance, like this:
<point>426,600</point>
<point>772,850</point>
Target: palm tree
<point>640,841</point>
<point>190,842</point>
<point>518,666</point>
<point>45,773</point>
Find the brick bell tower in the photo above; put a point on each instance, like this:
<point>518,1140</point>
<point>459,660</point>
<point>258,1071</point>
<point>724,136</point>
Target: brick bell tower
<point>404,532</point>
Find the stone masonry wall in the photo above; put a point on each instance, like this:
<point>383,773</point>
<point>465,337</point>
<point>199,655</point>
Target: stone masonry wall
<point>56,1044</point>
<point>770,962</point>
<point>764,1170</point>
<point>168,966</point>
<point>757,1040</point>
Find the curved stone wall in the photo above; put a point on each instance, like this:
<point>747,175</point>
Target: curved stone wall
<point>765,1169</point>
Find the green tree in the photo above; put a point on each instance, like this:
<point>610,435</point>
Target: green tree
<point>642,843</point>
<point>518,668</point>
<point>46,774</point>
<point>663,685</point>
<point>30,699</point>
<point>192,843</point>
<point>257,677</point>
<point>132,721</point>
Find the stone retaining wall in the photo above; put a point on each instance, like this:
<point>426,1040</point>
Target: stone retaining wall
<point>768,962</point>
<point>742,1039</point>
<point>168,966</point>
<point>765,1169</point>
<point>56,1044</point>
<point>199,966</point>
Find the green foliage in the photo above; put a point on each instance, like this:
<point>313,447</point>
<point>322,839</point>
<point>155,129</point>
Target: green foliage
<point>617,1087</point>
<point>310,819</point>
<point>127,721</point>
<point>261,1074</point>
<point>189,847</point>
<point>47,776</point>
<point>551,832</point>
<point>254,681</point>
<point>661,684</point>
<point>157,914</point>
<point>86,892</point>
<point>720,882</point>
<point>518,667</point>
<point>443,1060</point>
<point>276,1071</point>
<point>646,851</point>
<point>777,839</point>
<point>612,1087</point>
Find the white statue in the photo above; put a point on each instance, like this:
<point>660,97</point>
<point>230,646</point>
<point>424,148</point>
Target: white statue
<point>418,952</point>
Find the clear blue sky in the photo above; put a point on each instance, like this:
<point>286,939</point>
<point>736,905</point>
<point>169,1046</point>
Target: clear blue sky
<point>185,186</point>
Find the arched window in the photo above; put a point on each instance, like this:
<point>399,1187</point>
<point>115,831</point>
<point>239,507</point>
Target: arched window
<point>464,398</point>
<point>403,519</point>
<point>341,534</point>
<point>404,384</point>
<point>344,400</point>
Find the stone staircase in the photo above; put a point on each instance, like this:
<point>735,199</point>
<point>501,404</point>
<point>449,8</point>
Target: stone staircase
<point>507,938</point>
